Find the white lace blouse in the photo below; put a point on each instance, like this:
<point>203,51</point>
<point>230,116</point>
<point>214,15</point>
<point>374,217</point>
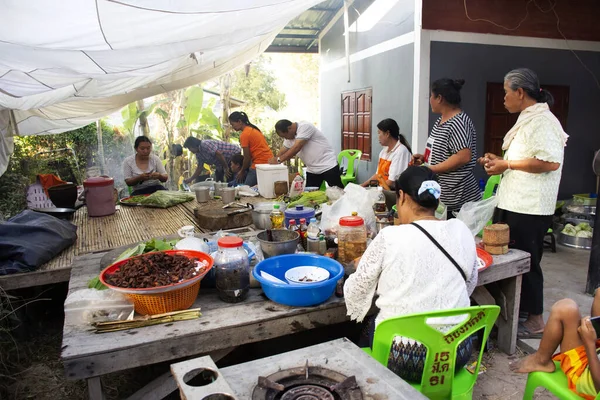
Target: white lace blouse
<point>410,274</point>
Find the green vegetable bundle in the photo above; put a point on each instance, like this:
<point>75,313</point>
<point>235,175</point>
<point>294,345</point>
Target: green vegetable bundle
<point>310,199</point>
<point>165,199</point>
<point>581,230</point>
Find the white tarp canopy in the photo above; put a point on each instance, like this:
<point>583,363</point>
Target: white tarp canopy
<point>67,63</point>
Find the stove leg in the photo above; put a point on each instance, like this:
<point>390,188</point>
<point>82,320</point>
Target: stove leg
<point>95,388</point>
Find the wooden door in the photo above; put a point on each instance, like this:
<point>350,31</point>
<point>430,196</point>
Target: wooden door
<point>363,123</point>
<point>348,120</point>
<point>498,120</point>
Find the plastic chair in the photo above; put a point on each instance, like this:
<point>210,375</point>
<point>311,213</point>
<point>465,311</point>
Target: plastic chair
<point>352,157</point>
<point>439,381</point>
<point>556,382</point>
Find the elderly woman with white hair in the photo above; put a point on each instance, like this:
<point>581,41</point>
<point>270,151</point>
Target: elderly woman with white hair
<point>531,169</point>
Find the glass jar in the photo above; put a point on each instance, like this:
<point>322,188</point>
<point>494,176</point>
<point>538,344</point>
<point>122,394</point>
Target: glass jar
<point>232,270</point>
<point>352,238</point>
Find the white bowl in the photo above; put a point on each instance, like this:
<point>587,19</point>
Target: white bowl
<point>306,275</point>
<point>192,243</point>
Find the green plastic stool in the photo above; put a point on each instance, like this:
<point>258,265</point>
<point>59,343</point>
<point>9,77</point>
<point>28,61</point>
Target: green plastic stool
<point>556,382</point>
<point>353,157</point>
<point>439,381</point>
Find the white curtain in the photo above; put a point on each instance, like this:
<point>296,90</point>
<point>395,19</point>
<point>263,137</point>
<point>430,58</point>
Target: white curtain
<point>67,63</point>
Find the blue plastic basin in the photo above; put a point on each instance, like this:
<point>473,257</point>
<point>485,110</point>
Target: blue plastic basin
<point>298,295</point>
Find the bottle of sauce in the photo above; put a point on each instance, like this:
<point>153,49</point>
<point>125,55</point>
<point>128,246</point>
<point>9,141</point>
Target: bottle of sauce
<point>302,231</point>
<point>277,217</point>
<point>380,206</point>
<point>292,226</point>
<point>312,236</point>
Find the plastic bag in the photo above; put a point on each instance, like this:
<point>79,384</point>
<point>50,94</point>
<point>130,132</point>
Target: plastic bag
<point>476,214</point>
<point>297,187</point>
<point>333,193</point>
<point>31,239</point>
<point>355,199</point>
<point>87,306</point>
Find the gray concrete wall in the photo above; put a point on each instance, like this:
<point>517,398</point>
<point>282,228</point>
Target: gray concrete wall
<point>479,64</point>
<point>389,74</point>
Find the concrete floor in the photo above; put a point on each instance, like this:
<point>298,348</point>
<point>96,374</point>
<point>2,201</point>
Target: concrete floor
<point>565,274</point>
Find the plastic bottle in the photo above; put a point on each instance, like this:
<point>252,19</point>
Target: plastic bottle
<point>302,231</point>
<point>380,206</point>
<point>322,245</point>
<point>277,217</point>
<point>292,226</point>
<point>312,236</point>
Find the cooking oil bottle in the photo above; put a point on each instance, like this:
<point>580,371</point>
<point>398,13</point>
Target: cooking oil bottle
<point>277,217</point>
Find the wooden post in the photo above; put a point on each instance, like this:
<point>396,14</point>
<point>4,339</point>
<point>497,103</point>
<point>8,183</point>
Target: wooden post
<point>100,148</point>
<point>593,277</point>
<point>226,104</point>
<point>143,119</point>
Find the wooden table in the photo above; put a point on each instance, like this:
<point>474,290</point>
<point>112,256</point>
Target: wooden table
<point>222,326</point>
<point>98,234</point>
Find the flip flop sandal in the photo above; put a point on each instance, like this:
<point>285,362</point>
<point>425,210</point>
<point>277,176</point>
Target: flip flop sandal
<point>523,315</point>
<point>524,333</point>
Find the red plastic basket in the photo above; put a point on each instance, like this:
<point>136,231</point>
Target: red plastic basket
<point>162,299</point>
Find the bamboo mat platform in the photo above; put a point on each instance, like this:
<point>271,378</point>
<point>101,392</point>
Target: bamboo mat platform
<point>99,234</point>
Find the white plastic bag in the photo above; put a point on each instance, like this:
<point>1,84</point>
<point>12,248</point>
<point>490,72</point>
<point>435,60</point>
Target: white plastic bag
<point>355,199</point>
<point>476,214</point>
<point>297,187</point>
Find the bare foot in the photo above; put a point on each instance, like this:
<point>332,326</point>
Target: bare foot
<point>531,364</point>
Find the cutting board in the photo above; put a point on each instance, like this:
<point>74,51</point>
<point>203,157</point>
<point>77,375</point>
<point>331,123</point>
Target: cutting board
<point>217,219</point>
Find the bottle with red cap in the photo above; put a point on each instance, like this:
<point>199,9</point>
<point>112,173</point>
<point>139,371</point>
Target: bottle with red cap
<point>302,230</point>
<point>352,238</point>
<point>232,270</point>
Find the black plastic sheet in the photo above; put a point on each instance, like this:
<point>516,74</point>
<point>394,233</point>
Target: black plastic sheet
<point>31,239</point>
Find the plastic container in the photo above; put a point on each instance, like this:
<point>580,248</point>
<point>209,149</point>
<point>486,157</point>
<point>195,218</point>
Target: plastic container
<point>267,175</point>
<point>99,196</point>
<point>276,217</point>
<point>87,306</point>
<point>585,199</point>
<point>305,295</point>
<point>352,238</point>
<point>379,206</point>
<point>232,270</point>
<point>297,213</point>
<point>312,236</point>
<point>163,299</point>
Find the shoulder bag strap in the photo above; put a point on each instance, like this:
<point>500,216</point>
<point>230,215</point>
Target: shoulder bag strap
<point>439,246</point>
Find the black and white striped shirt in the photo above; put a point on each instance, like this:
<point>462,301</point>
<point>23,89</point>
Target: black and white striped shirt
<point>447,139</point>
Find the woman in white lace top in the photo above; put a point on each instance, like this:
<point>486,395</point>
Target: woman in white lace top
<point>406,270</point>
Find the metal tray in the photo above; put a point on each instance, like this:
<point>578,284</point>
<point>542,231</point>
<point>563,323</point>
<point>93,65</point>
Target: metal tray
<point>574,242</point>
<point>575,219</point>
<point>581,209</point>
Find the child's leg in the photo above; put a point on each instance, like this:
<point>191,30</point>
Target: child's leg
<point>596,304</point>
<point>561,329</point>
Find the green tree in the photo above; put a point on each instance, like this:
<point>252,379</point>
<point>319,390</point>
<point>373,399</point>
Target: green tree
<point>257,88</point>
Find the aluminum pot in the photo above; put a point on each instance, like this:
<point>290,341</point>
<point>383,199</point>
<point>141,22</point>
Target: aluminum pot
<point>207,183</point>
<point>202,194</point>
<point>284,242</point>
<point>261,213</point>
<point>219,186</point>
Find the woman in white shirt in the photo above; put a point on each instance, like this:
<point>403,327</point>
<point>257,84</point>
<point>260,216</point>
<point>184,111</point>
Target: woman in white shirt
<point>144,171</point>
<point>394,157</point>
<point>408,271</point>
<point>531,169</point>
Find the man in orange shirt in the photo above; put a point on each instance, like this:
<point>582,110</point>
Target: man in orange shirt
<point>254,147</point>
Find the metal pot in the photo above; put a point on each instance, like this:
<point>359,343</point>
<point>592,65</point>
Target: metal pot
<point>261,213</point>
<point>284,242</point>
<point>202,194</point>
<point>219,186</point>
<point>207,183</point>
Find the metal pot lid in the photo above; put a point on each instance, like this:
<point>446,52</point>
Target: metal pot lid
<point>267,206</point>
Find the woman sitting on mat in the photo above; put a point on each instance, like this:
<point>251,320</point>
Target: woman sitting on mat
<point>418,277</point>
<point>144,171</point>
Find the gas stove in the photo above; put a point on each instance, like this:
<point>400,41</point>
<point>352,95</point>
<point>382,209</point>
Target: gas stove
<point>336,370</point>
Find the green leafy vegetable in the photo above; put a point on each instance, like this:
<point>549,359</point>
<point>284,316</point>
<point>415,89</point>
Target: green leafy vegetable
<point>165,198</point>
<point>95,283</point>
<point>310,199</point>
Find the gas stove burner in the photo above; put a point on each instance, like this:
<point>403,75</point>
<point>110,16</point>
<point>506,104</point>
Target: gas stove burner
<point>307,383</point>
<point>308,392</point>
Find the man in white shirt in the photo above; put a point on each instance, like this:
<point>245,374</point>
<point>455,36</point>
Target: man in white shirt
<point>309,143</point>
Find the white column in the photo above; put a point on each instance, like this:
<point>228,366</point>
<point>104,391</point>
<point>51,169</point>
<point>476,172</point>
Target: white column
<point>422,59</point>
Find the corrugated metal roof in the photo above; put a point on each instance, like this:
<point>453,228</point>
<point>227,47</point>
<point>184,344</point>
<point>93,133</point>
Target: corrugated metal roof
<point>301,35</point>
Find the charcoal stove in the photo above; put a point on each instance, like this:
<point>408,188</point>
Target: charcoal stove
<point>336,370</point>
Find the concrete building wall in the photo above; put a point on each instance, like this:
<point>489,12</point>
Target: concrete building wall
<point>386,66</point>
<point>479,64</point>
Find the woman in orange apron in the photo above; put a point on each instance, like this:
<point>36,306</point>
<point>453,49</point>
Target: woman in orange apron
<point>394,156</point>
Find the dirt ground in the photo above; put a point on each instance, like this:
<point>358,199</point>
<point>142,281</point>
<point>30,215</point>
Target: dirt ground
<point>30,366</point>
